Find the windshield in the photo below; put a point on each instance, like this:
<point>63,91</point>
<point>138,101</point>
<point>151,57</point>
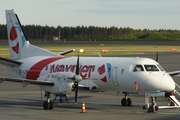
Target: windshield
<point>151,68</point>
<point>138,68</point>
<point>160,67</point>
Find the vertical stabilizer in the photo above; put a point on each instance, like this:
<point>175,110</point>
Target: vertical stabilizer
<point>18,45</point>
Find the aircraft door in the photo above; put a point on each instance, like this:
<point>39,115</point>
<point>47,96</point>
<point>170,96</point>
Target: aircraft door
<point>114,77</point>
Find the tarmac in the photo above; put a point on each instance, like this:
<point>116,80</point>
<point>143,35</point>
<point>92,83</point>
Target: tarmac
<point>20,103</point>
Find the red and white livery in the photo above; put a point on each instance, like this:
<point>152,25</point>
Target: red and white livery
<point>60,75</point>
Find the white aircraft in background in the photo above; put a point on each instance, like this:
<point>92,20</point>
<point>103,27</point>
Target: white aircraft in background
<point>60,75</point>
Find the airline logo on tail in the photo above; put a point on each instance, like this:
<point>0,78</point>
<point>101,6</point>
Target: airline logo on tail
<point>13,36</point>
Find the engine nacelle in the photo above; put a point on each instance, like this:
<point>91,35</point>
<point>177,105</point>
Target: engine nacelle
<point>62,82</point>
<point>89,85</point>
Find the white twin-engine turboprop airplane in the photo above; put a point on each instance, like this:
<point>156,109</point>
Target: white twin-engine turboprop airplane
<point>60,75</point>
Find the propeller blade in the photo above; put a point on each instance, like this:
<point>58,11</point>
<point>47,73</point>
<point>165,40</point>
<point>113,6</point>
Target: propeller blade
<point>77,66</point>
<point>77,79</point>
<point>157,57</point>
<point>76,93</point>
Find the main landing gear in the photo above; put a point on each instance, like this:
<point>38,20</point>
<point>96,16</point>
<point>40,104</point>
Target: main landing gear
<point>126,101</point>
<point>48,104</point>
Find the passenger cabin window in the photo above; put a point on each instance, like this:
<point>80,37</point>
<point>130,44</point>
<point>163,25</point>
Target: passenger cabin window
<point>122,71</point>
<point>138,68</point>
<point>99,68</point>
<point>151,68</point>
<point>93,69</point>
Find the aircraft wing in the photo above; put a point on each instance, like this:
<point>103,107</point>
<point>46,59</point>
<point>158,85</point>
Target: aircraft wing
<point>7,62</point>
<point>27,81</point>
<point>174,73</point>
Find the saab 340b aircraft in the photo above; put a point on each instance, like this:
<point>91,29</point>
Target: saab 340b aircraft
<point>60,75</point>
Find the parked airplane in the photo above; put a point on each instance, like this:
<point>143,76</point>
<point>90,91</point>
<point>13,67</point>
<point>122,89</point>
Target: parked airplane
<point>60,75</point>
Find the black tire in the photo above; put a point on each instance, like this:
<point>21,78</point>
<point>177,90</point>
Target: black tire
<point>129,102</point>
<point>46,105</point>
<point>51,105</point>
<point>124,102</point>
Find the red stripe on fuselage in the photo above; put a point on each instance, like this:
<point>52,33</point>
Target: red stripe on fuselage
<point>36,69</point>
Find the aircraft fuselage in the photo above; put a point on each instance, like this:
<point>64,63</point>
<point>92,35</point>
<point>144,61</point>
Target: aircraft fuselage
<point>105,73</point>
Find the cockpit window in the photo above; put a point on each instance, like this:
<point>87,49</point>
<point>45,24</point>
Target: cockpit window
<point>160,67</point>
<point>151,68</point>
<point>138,68</point>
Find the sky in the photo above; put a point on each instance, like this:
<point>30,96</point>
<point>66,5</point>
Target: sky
<point>136,14</point>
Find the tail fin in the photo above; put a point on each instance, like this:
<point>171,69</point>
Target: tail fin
<point>18,45</point>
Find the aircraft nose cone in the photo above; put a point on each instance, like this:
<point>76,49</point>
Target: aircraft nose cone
<point>168,84</point>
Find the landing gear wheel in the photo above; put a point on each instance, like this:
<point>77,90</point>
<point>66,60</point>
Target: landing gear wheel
<point>124,102</point>
<point>129,102</point>
<point>46,105</point>
<point>51,105</point>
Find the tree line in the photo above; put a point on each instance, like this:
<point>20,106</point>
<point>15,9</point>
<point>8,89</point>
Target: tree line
<point>93,32</point>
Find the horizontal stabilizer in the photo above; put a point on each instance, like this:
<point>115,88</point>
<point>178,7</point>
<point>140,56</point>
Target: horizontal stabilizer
<point>36,82</point>
<point>8,62</point>
<point>66,52</point>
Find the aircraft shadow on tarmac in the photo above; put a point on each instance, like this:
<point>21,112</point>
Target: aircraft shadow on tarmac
<point>37,104</point>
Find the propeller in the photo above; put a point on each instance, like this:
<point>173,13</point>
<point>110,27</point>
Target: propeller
<point>77,68</point>
<point>76,92</point>
<point>77,79</point>
<point>157,57</point>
